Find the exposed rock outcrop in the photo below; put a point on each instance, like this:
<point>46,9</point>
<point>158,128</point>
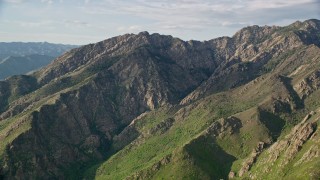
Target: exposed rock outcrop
<point>247,164</point>
<point>308,85</point>
<point>223,127</point>
<point>162,127</point>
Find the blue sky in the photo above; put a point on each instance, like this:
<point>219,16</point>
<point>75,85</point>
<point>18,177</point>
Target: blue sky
<point>88,21</point>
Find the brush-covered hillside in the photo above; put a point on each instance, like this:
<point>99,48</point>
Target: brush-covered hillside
<point>150,106</point>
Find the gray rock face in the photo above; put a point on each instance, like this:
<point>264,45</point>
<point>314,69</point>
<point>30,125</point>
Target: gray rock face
<point>254,46</point>
<point>308,85</point>
<point>224,127</point>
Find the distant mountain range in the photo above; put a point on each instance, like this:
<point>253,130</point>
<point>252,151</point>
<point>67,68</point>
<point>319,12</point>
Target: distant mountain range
<point>151,106</point>
<point>20,58</point>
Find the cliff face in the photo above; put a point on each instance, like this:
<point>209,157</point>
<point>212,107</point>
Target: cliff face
<point>139,102</point>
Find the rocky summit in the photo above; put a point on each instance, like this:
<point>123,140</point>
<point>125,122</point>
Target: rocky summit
<point>150,106</point>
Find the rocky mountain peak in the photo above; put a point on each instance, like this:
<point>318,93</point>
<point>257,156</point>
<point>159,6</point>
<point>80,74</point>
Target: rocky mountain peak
<point>144,33</point>
<point>252,34</point>
<point>312,26</point>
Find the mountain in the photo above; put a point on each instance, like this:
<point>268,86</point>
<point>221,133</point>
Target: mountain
<point>22,64</point>
<point>30,48</point>
<point>150,106</point>
<point>20,58</point>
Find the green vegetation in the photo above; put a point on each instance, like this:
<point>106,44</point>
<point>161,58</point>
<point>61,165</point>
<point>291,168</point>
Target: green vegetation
<point>10,129</point>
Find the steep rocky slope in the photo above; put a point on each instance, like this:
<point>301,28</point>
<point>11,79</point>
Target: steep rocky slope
<point>149,106</point>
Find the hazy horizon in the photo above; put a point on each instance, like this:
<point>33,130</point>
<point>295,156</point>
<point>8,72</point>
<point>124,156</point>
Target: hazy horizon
<point>88,21</point>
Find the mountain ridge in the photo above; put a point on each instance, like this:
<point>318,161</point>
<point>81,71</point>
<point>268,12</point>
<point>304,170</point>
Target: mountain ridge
<point>21,58</point>
<point>144,106</point>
